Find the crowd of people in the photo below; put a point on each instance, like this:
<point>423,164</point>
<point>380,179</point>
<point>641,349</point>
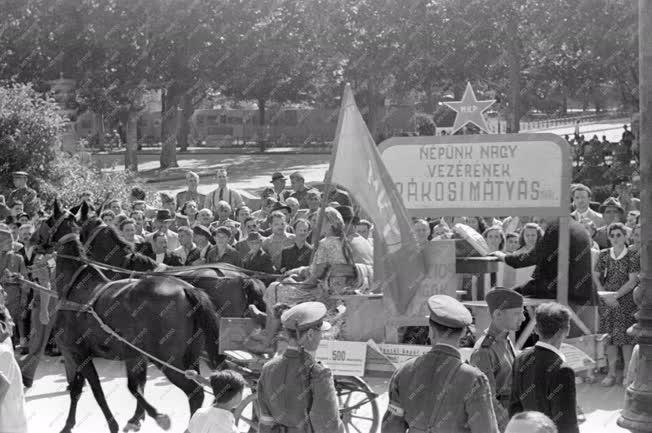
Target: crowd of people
<point>275,242</point>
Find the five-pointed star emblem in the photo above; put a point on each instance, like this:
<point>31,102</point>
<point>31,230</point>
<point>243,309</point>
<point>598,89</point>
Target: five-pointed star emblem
<point>469,110</point>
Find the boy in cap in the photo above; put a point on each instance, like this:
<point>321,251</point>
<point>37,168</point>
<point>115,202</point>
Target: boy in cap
<point>203,239</point>
<point>437,391</point>
<point>296,394</point>
<point>494,353</point>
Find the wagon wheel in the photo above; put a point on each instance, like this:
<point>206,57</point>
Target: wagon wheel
<point>358,406</point>
<point>246,414</point>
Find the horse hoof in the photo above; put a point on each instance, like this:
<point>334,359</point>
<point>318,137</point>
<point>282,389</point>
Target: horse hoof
<point>132,426</point>
<point>163,421</point>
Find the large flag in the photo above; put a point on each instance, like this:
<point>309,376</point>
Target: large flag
<point>357,166</point>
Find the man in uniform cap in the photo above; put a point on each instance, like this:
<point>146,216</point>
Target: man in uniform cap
<point>437,391</point>
<point>494,353</point>
<point>296,394</point>
<point>27,195</point>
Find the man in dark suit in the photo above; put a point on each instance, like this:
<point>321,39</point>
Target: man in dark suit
<point>159,252</point>
<point>544,255</point>
<point>257,259</point>
<point>541,379</point>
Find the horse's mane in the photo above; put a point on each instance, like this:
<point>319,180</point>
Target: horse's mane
<point>119,240</point>
<point>117,237</point>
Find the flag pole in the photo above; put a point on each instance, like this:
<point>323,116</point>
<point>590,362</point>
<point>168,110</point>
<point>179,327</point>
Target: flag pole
<point>316,232</point>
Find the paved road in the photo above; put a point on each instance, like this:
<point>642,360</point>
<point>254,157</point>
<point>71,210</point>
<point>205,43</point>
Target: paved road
<point>47,401</point>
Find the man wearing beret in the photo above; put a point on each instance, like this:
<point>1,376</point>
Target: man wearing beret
<point>27,195</point>
<point>494,353</point>
<point>296,394</point>
<point>437,391</point>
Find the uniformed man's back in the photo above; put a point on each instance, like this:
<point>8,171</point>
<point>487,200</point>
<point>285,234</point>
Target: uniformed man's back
<point>445,394</point>
<point>437,392</point>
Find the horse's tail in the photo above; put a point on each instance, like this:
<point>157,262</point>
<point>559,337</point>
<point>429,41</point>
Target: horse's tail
<point>207,320</point>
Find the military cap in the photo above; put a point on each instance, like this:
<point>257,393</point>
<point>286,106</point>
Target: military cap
<point>138,202</point>
<point>20,174</point>
<point>448,311</point>
<point>503,299</point>
<point>314,191</point>
<point>221,229</point>
<point>254,236</point>
<point>611,202</point>
<point>305,316</point>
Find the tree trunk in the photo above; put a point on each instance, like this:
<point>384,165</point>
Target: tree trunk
<point>99,119</point>
<point>514,74</point>
<point>430,100</point>
<point>184,119</point>
<point>131,158</point>
<point>262,136</point>
<point>372,104</point>
<point>169,124</point>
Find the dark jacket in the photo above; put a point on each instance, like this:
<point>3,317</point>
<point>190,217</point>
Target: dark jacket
<point>170,258</point>
<point>230,256</point>
<point>293,257</point>
<point>193,255</point>
<point>544,256</point>
<point>259,262</point>
<point>542,382</point>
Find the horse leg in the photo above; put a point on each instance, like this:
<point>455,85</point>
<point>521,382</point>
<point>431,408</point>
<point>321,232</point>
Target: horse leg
<point>193,390</point>
<point>136,379</point>
<point>87,369</point>
<point>75,386</point>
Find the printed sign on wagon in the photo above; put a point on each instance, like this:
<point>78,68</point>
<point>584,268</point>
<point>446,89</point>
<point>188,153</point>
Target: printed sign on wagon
<point>344,358</point>
<point>453,174</point>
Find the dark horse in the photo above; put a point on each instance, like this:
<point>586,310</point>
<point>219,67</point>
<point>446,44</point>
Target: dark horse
<point>163,316</point>
<point>230,292</point>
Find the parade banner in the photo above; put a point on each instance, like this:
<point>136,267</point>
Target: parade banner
<point>357,166</point>
<point>480,175</point>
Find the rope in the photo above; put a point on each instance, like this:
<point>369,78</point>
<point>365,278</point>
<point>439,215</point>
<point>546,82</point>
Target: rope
<point>176,270</point>
<point>190,374</point>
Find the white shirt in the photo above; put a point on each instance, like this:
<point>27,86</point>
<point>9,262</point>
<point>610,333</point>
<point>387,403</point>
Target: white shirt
<point>181,252</point>
<point>160,258</point>
<point>212,420</point>
<point>12,407</point>
<point>551,348</point>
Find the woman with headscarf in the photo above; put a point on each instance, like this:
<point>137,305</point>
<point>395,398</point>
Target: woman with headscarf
<point>330,273</point>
